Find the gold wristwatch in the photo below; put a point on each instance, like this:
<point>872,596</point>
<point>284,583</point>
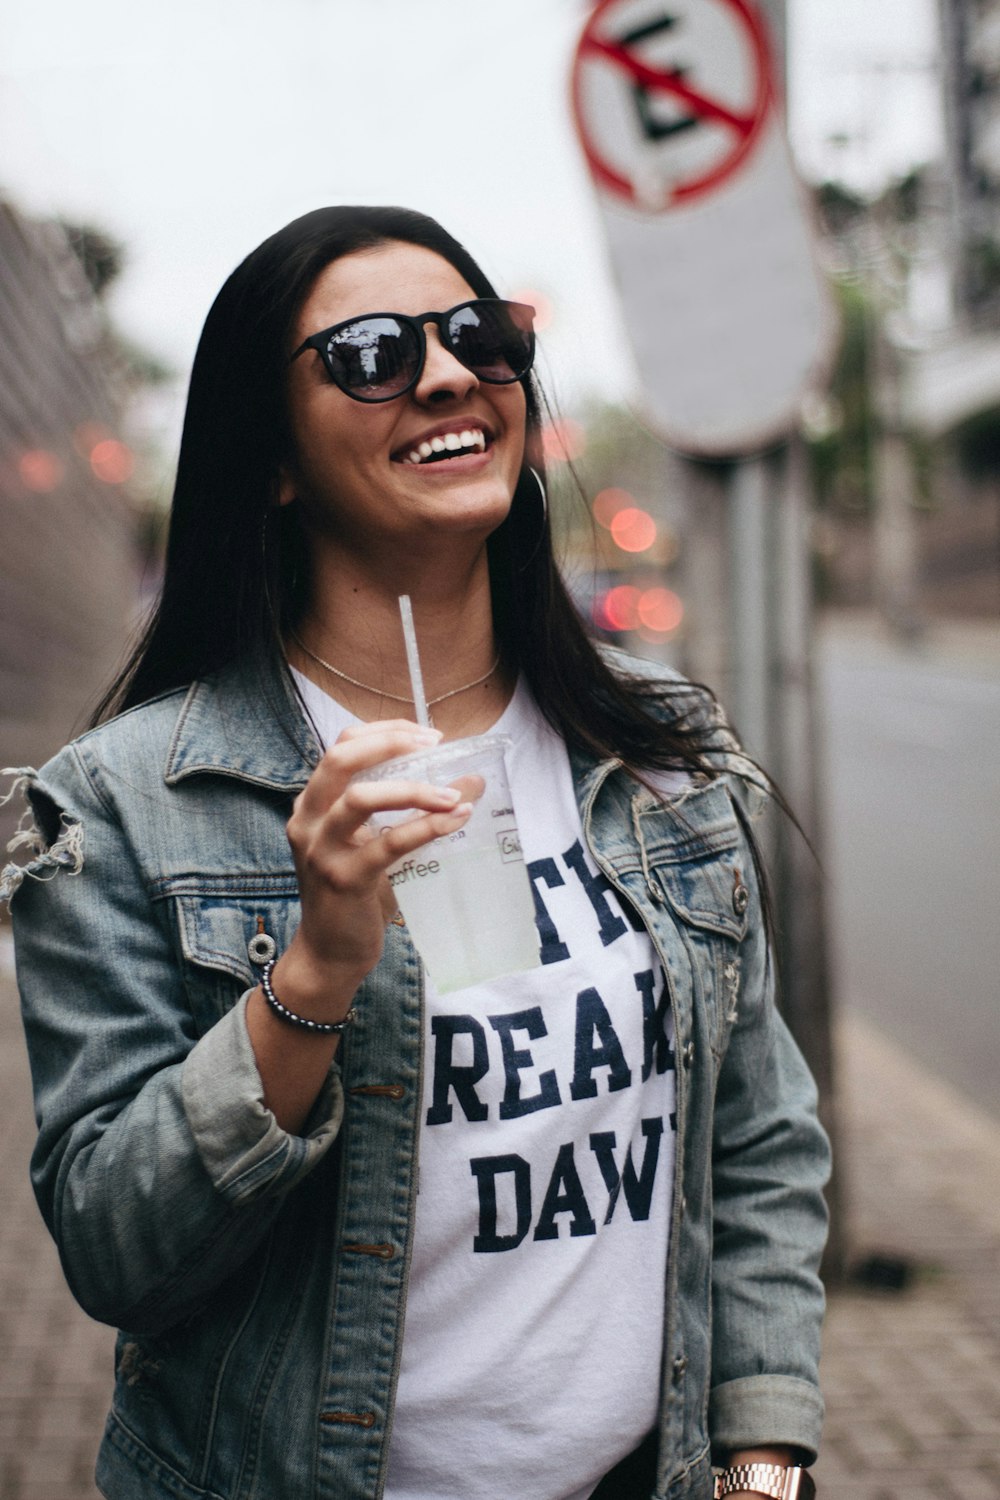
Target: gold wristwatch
<point>773,1480</point>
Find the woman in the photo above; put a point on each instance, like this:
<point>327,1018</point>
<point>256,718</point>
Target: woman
<point>607,1255</point>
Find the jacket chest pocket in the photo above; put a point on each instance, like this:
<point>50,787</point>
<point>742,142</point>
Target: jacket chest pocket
<point>226,937</point>
<point>698,858</point>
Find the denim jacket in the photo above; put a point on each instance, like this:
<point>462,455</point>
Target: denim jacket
<point>260,1278</point>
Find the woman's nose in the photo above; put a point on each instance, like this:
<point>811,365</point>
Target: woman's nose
<point>443,375</point>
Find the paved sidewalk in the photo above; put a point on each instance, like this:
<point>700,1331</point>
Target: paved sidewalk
<point>912,1379</point>
<point>56,1365</point>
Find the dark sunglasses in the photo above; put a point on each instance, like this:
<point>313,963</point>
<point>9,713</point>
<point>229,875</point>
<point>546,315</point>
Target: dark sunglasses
<point>379,356</point>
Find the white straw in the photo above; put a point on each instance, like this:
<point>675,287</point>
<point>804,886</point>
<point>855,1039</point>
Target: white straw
<point>413,661</point>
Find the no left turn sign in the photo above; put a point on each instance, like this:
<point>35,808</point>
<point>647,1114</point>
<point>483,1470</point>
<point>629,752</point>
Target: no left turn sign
<point>669,102</point>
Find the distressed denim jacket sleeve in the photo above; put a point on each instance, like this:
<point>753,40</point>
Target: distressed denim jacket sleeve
<point>146,1231</point>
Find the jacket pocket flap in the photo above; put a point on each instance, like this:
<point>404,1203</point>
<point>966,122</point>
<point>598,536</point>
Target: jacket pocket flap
<point>216,931</point>
<point>696,849</point>
<point>706,893</point>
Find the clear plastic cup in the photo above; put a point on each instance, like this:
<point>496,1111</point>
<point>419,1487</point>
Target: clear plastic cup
<point>466,898</point>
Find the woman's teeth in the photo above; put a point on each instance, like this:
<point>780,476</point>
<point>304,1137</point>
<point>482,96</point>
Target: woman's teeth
<point>472,440</point>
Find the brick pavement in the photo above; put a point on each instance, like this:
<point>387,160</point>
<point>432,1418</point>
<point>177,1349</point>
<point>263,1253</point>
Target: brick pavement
<point>912,1379</point>
<point>56,1365</point>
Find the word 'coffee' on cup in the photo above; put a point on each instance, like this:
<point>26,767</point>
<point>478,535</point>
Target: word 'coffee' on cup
<point>466,898</point>
<point>412,869</point>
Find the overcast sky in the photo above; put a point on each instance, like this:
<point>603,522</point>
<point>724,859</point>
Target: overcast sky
<point>191,130</point>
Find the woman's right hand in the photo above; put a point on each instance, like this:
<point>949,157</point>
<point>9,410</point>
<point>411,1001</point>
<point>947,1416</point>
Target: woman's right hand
<point>346,898</point>
<point>341,862</point>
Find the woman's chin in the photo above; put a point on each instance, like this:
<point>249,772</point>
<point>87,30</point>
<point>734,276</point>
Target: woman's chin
<point>467,499</point>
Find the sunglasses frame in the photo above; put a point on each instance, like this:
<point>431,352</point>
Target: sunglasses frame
<point>320,342</point>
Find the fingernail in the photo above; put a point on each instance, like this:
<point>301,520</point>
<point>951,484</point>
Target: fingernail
<point>430,736</point>
<point>449,794</point>
<point>462,810</point>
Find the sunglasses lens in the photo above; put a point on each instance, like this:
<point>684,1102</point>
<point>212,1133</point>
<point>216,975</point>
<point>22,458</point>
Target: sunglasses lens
<point>495,340</point>
<point>373,359</point>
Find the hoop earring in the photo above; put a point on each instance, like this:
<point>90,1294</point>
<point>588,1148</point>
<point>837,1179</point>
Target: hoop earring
<point>265,560</point>
<point>541,488</point>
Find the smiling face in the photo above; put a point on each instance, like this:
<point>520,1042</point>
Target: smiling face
<point>442,460</point>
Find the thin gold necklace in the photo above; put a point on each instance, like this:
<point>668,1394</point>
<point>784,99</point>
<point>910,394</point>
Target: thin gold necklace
<point>382,692</point>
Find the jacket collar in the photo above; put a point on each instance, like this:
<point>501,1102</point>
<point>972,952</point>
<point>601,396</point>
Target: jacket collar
<point>244,721</point>
<point>247,721</point>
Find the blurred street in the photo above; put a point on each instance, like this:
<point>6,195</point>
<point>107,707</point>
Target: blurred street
<point>913,839</point>
<point>912,1378</point>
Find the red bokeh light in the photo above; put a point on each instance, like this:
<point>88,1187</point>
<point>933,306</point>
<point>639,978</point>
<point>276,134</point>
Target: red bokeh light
<point>633,530</point>
<point>608,503</point>
<point>40,470</point>
<point>112,461</point>
<point>618,609</point>
<point>562,440</point>
<point>660,610</point>
<point>653,613</point>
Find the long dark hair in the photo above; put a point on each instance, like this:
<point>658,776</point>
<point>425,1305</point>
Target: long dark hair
<point>236,565</point>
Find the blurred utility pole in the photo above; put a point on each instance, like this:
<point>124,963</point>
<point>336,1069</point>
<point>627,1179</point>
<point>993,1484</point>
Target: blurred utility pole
<point>970,70</point>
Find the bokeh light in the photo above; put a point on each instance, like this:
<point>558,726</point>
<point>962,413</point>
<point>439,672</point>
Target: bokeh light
<point>608,503</point>
<point>660,610</point>
<point>112,461</point>
<point>633,529</point>
<point>40,470</point>
<point>618,609</point>
<point>562,440</point>
<point>653,613</point>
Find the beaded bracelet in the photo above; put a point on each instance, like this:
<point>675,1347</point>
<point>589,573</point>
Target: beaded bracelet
<point>321,1028</point>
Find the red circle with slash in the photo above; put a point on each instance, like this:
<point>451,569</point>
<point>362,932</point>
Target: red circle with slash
<point>743,127</point>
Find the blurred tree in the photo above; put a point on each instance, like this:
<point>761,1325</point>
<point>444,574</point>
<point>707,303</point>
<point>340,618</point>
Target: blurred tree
<point>101,257</point>
<point>840,438</point>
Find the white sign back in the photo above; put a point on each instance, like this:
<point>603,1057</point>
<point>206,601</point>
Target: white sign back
<point>729,318</point>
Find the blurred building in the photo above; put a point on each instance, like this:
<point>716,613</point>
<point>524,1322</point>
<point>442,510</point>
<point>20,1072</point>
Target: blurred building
<point>68,556</point>
<point>907,457</point>
<point>970,35</point>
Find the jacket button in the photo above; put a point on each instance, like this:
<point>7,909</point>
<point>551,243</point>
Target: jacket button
<point>680,1366</point>
<point>741,898</point>
<point>655,893</point>
<point>261,948</point>
<point>688,1054</point>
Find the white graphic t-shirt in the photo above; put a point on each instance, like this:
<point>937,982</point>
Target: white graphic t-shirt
<point>534,1316</point>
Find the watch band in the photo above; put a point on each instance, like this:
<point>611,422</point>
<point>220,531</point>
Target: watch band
<point>772,1480</point>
